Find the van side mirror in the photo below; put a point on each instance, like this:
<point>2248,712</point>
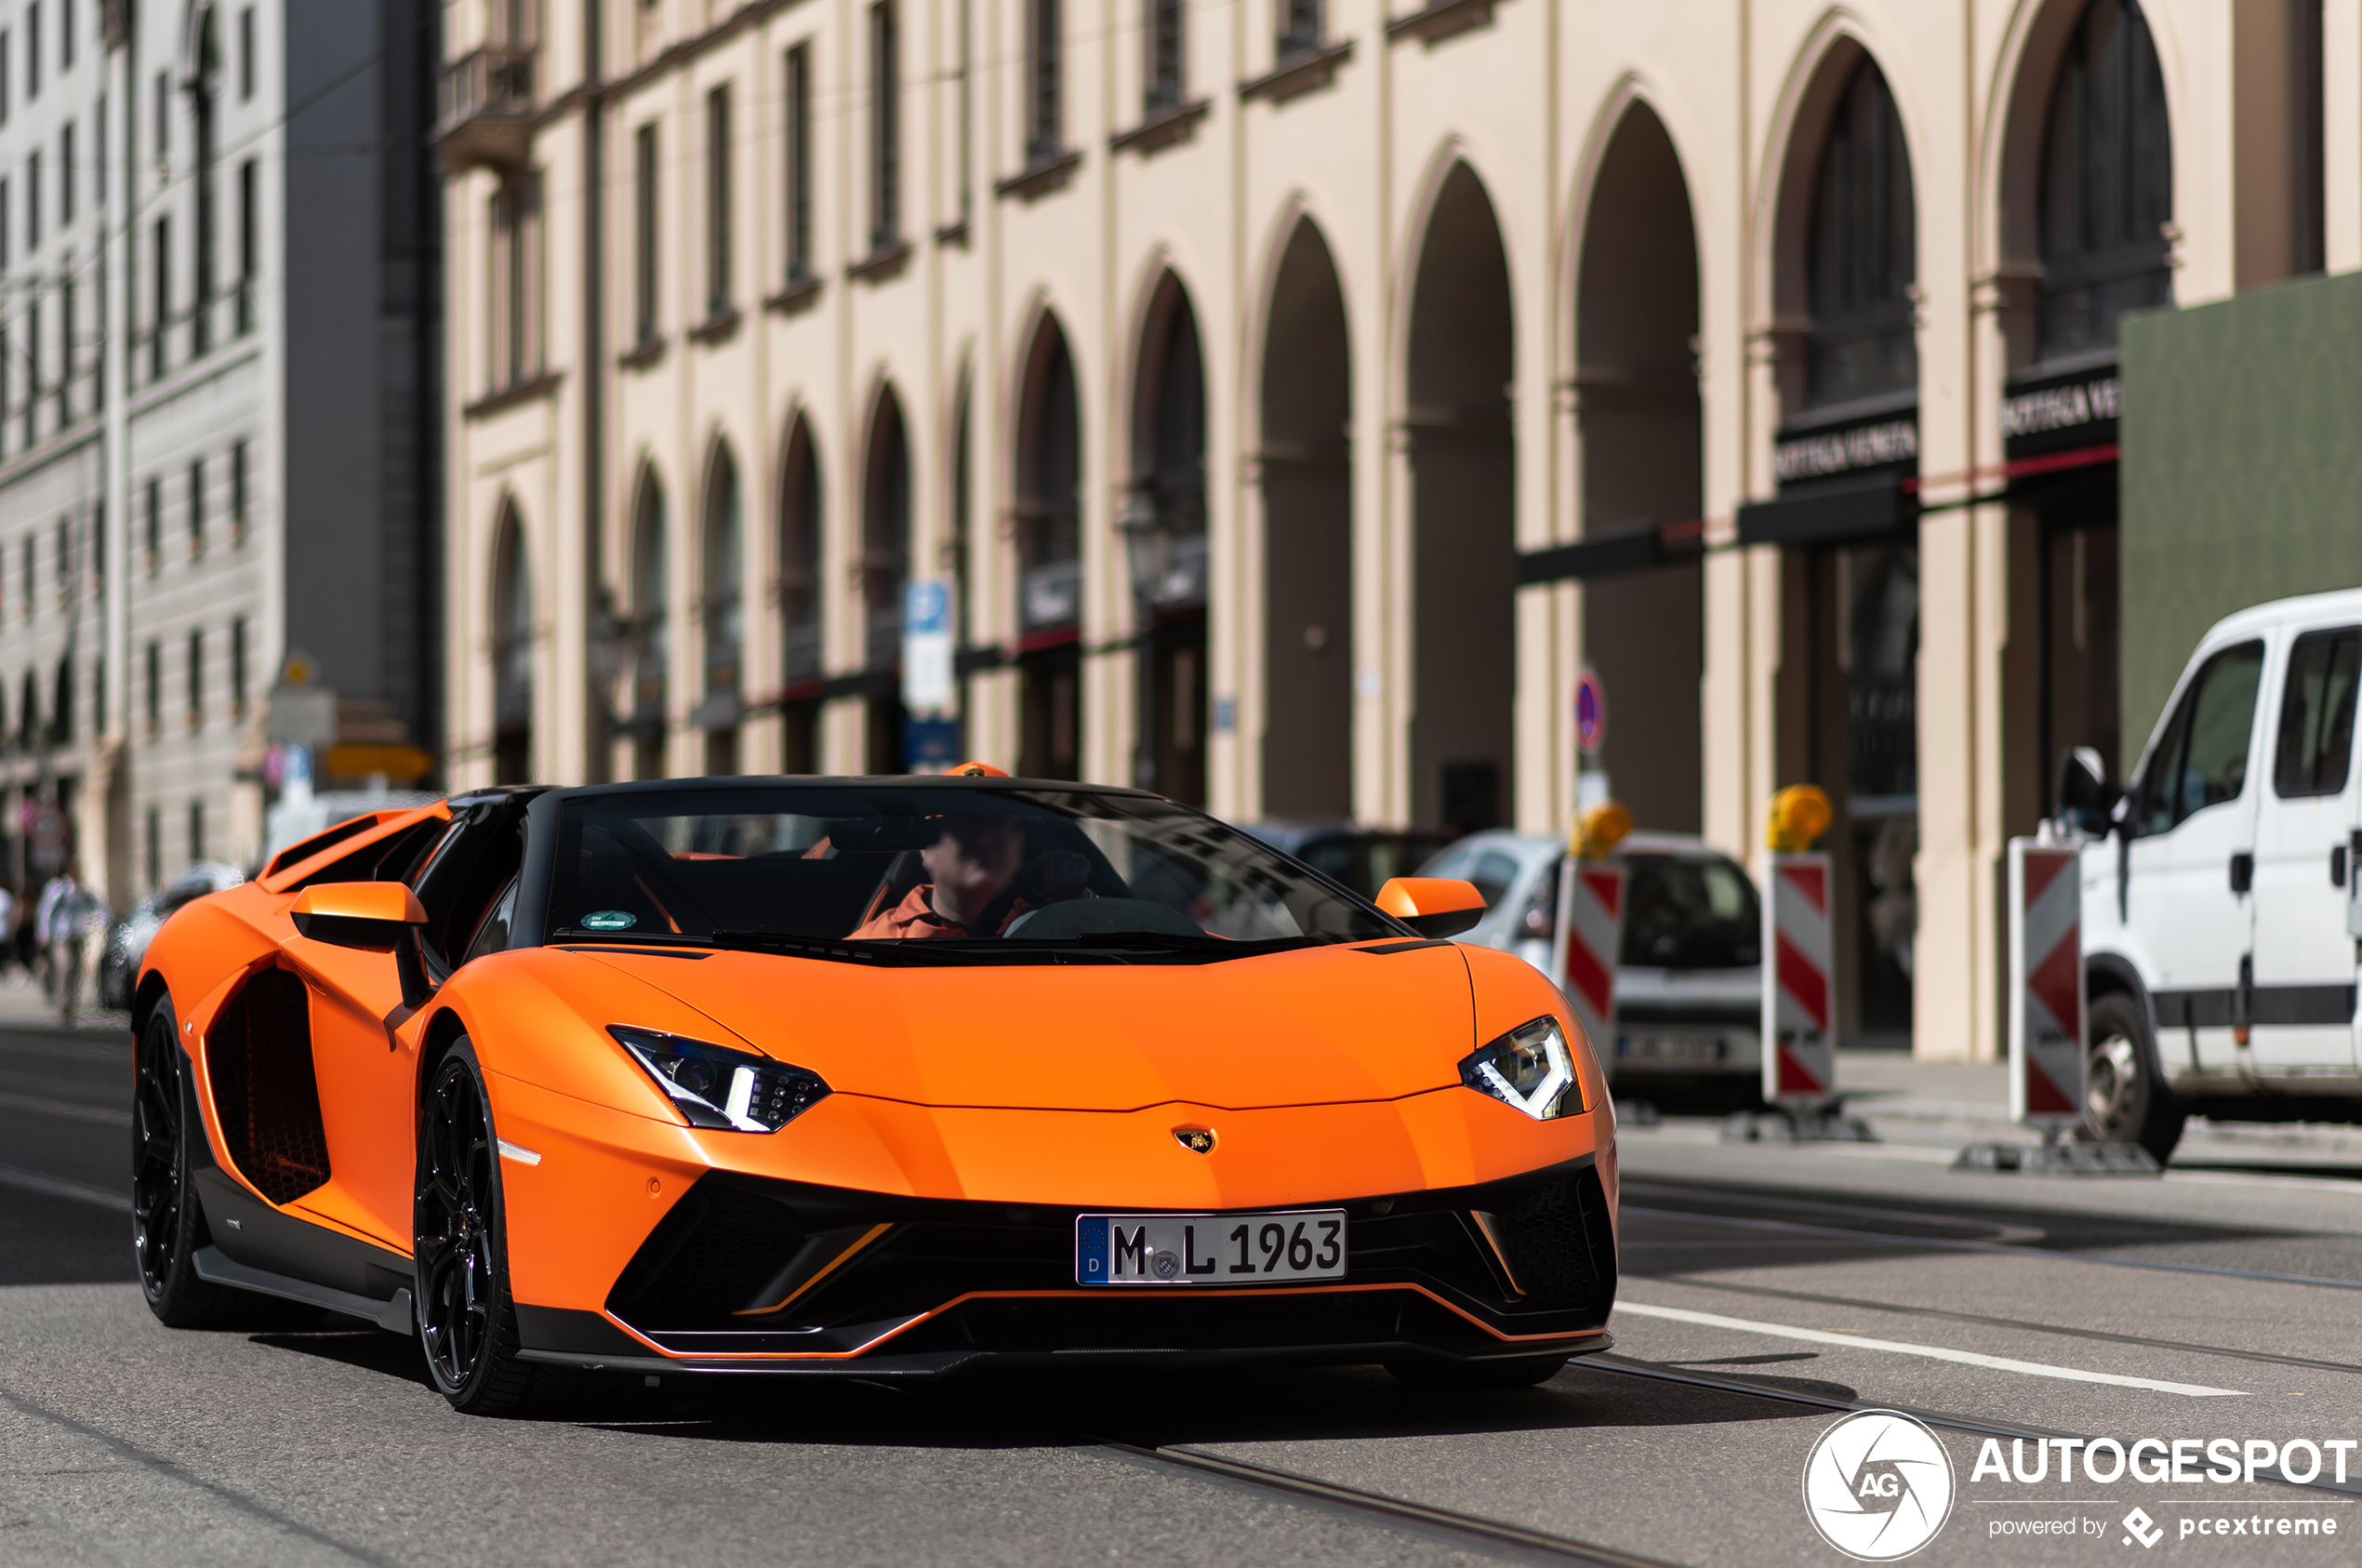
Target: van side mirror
<point>2086,799</point>
<point>1432,906</point>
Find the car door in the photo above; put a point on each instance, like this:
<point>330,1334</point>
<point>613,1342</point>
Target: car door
<point>364,1071</point>
<point>2302,1006</point>
<point>2195,814</point>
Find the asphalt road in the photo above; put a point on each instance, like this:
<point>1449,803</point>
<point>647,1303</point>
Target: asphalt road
<point>1768,1292</point>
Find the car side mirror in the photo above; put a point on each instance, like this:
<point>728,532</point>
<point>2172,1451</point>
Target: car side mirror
<point>371,916</point>
<point>1432,906</point>
<point>2087,801</point>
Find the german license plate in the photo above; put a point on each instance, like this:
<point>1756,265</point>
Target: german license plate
<point>1685,1049</point>
<point>1209,1249</point>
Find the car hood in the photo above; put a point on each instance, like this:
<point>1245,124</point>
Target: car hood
<point>1319,1026</point>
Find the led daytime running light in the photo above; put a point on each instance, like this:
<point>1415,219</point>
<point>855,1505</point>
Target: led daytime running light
<point>1530,1069</point>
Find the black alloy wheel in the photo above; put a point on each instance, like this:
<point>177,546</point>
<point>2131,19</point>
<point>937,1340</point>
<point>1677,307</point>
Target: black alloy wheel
<point>167,1227</point>
<point>2125,1099</point>
<point>466,1323</point>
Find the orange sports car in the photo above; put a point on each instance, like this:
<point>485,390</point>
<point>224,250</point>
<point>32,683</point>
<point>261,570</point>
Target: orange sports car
<point>884,1077</point>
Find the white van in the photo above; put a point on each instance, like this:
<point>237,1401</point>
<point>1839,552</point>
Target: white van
<point>2217,946</point>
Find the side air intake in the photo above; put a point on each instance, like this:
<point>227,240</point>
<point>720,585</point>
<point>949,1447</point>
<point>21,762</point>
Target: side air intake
<point>258,1057</point>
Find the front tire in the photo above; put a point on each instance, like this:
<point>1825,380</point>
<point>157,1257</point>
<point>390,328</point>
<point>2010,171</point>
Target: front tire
<point>168,1224</point>
<point>466,1320</point>
<point>2125,1099</point>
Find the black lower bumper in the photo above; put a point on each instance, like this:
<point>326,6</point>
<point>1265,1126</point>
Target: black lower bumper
<point>746,1274</point>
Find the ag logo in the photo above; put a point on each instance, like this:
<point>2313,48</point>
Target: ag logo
<point>1877,1486</point>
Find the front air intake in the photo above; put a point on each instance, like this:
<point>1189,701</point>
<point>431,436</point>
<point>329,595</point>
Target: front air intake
<point>258,1059</point>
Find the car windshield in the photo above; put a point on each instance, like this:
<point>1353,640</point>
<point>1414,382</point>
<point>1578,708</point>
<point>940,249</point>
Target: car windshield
<point>918,874</point>
<point>1685,912</point>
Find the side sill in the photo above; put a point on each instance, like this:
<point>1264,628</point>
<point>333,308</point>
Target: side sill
<point>394,1316</point>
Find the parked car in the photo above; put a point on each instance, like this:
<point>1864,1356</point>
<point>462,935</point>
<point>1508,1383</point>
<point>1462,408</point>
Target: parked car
<point>129,938</point>
<point>1360,858</point>
<point>1689,980</point>
<point>2219,923</point>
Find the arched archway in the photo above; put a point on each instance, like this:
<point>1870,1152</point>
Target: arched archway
<point>2083,193</point>
<point>512,653</point>
<point>1849,679</point>
<point>1049,514</point>
<point>1164,524</point>
<point>722,570</point>
<point>886,565</point>
<point>1462,358</point>
<point>1306,468</point>
<point>651,629</point>
<point>1637,409</point>
<point>801,601</point>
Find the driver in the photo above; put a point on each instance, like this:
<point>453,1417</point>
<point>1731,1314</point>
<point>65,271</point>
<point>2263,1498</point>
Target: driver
<point>974,860</point>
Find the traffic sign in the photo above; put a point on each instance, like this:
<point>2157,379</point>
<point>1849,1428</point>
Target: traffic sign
<point>1590,711</point>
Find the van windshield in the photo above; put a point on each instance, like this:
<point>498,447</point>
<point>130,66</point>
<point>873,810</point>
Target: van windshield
<point>1690,912</point>
<point>933,874</point>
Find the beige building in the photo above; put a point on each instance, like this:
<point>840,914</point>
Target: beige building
<point>1298,394</point>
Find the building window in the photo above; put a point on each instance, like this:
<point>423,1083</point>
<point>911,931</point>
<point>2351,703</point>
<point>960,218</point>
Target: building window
<point>246,251</point>
<point>32,201</point>
<point>61,708</point>
<point>32,371</point>
<point>516,281</point>
<point>65,174</point>
<point>237,492</point>
<point>164,117</point>
<point>1165,38</point>
<point>196,509</point>
<point>28,581</point>
<point>245,54</point>
<point>3,78</point>
<point>204,98</point>
<point>155,690</point>
<point>798,121</point>
<point>2107,184</point>
<point>197,681</point>
<point>885,128</point>
<point>197,830</point>
<point>1861,259</point>
<point>4,222</point>
<point>1300,27</point>
<point>32,51</point>
<point>65,561</point>
<point>964,104</point>
<point>238,668</point>
<point>155,526</point>
<point>1045,107</point>
<point>65,344</point>
<point>717,203</point>
<point>643,201</point>
<point>155,848</point>
<point>161,309</point>
<point>65,34</point>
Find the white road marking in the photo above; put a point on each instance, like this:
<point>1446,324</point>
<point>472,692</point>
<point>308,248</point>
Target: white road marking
<point>58,1187</point>
<point>1931,1352</point>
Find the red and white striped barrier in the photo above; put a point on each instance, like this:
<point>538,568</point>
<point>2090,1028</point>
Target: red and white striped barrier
<point>2045,985</point>
<point>1590,935</point>
<point>1799,992</point>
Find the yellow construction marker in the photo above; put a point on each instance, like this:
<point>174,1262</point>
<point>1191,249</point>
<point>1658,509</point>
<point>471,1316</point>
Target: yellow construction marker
<point>1799,815</point>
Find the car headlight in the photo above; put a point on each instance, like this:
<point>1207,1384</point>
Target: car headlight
<point>1528,1068</point>
<point>714,1086</point>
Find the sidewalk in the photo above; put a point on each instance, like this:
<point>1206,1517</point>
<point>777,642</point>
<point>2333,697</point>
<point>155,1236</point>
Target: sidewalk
<point>22,1006</point>
<point>1909,1101</point>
